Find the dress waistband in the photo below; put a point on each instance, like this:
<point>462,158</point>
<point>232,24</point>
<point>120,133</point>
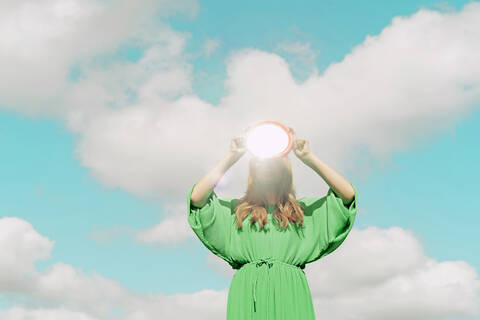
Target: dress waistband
<point>268,262</point>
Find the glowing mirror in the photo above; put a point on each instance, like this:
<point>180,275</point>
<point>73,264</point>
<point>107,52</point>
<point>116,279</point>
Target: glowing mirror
<point>268,139</point>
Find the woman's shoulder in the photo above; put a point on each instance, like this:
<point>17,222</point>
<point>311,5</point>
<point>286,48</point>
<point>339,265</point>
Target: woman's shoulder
<point>311,204</point>
<point>310,200</point>
<point>231,202</point>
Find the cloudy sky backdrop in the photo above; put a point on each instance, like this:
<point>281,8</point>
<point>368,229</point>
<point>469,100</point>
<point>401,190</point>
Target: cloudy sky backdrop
<point>111,110</point>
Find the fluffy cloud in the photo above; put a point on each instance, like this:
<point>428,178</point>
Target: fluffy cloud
<point>384,273</point>
<point>41,41</point>
<point>64,292</point>
<point>25,247</point>
<point>18,313</point>
<point>174,229</point>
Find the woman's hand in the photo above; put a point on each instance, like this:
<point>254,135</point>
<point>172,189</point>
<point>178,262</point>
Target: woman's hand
<point>237,147</point>
<point>300,147</point>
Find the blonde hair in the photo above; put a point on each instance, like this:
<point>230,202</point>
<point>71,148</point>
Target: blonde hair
<point>287,209</point>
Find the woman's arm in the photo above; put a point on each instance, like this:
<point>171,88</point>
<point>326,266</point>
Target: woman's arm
<point>339,184</point>
<point>204,187</point>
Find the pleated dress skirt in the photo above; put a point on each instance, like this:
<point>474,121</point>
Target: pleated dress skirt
<point>269,289</point>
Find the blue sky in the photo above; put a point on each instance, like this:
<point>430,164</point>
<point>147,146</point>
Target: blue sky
<point>429,187</point>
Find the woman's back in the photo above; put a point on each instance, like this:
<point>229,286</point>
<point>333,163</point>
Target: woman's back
<point>270,282</point>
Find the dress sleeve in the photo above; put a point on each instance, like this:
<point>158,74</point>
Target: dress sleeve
<point>212,224</point>
<point>332,221</point>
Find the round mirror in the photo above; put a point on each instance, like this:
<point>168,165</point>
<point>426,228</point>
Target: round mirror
<point>268,139</point>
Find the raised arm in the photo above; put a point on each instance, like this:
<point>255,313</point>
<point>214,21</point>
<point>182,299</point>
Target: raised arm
<point>339,184</point>
<point>205,185</point>
<point>336,182</point>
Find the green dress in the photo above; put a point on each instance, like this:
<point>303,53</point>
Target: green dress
<point>270,282</point>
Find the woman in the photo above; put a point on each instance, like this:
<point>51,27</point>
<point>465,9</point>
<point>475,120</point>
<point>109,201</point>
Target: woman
<point>283,234</point>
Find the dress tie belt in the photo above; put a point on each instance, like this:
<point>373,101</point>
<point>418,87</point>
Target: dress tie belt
<point>269,262</point>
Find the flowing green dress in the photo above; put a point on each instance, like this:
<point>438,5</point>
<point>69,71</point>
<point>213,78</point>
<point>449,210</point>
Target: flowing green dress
<point>270,282</point>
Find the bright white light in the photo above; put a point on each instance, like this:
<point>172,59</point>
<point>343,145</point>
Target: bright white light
<point>267,140</point>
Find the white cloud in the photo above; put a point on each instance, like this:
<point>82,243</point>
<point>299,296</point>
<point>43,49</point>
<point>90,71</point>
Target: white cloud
<point>60,313</point>
<point>158,76</point>
<point>21,247</point>
<point>174,229</point>
<point>64,292</point>
<point>384,273</point>
<point>40,41</point>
